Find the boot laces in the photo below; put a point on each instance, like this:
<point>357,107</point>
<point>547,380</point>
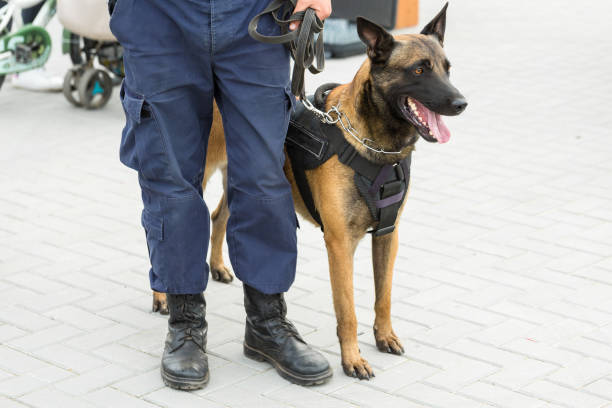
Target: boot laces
<point>284,327</point>
<point>191,322</point>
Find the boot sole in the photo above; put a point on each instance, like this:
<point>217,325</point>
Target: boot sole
<point>184,384</point>
<point>300,379</point>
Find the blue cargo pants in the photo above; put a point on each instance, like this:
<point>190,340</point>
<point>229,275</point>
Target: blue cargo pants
<point>179,56</point>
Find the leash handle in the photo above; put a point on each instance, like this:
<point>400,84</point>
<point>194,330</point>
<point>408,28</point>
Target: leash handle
<point>301,41</point>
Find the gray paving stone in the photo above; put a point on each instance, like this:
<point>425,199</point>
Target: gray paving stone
<point>500,397</point>
<point>435,397</point>
<point>45,337</point>
<point>69,358</point>
<point>127,357</point>
<point>19,385</point>
<point>581,373</point>
<point>111,398</point>
<point>167,397</point>
<point>94,379</point>
<point>518,374</point>
<point>562,395</point>
<point>503,282</point>
<point>17,362</point>
<point>51,398</point>
<point>303,397</point>
<point>141,384</point>
<point>9,403</point>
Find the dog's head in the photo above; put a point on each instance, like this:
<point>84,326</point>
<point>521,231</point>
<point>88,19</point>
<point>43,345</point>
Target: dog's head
<point>410,75</point>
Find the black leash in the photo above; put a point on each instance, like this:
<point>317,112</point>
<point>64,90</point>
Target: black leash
<point>301,41</point>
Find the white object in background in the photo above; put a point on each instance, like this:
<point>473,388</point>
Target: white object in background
<point>87,18</point>
<point>37,80</point>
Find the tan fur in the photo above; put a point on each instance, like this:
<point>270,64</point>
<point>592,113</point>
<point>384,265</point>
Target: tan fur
<point>346,220</point>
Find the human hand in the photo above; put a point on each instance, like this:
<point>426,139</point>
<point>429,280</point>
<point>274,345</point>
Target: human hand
<point>322,8</point>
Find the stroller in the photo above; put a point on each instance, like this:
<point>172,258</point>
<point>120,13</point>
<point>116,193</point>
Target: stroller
<point>87,38</point>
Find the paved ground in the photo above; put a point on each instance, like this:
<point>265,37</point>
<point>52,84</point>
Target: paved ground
<point>503,286</point>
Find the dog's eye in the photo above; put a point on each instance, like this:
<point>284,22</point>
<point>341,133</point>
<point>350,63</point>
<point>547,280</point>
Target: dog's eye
<point>418,71</point>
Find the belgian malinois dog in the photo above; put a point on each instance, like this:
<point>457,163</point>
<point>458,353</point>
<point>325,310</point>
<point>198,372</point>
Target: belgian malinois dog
<point>397,96</point>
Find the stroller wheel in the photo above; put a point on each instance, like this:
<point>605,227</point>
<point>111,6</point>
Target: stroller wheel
<point>71,81</point>
<point>95,88</point>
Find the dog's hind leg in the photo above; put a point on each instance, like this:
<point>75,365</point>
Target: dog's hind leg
<point>219,217</point>
<point>340,251</point>
<point>384,251</point>
<point>160,304</point>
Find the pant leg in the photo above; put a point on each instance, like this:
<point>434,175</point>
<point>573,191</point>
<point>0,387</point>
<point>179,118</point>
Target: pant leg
<point>167,96</point>
<point>252,92</point>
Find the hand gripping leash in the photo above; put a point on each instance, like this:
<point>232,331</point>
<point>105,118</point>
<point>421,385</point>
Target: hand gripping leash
<point>301,42</point>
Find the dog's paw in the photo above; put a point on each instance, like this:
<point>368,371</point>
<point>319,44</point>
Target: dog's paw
<point>359,368</point>
<point>160,304</point>
<point>388,343</point>
<point>221,274</point>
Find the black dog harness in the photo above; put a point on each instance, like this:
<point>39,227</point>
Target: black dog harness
<point>310,143</point>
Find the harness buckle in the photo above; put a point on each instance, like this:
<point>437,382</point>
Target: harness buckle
<point>391,188</point>
<point>383,231</point>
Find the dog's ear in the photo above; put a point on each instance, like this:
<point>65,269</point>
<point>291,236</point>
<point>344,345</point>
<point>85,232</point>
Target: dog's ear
<point>379,41</point>
<point>437,26</point>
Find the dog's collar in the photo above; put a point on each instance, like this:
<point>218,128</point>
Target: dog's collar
<point>345,123</point>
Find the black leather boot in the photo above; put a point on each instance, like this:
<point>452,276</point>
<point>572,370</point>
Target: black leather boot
<point>185,363</point>
<point>270,337</point>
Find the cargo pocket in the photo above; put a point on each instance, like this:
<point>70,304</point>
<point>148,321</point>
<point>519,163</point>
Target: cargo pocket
<point>142,144</point>
<point>153,225</point>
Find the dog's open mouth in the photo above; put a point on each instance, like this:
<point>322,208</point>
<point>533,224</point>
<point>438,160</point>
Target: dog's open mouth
<point>429,124</point>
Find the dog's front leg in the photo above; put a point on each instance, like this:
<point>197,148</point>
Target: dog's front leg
<point>219,218</point>
<point>384,250</point>
<point>340,250</point>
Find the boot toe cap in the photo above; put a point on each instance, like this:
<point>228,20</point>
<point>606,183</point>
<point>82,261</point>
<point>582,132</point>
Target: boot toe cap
<point>191,370</point>
<point>308,362</point>
<point>189,364</point>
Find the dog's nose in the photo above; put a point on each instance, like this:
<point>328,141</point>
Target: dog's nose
<point>459,105</point>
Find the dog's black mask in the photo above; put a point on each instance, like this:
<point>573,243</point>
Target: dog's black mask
<point>411,74</point>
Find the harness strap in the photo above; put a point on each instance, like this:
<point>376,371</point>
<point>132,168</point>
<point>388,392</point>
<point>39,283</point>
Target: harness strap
<point>301,42</point>
<point>299,173</point>
<point>311,143</point>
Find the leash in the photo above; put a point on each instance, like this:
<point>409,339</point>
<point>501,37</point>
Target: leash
<point>301,41</point>
<point>304,50</point>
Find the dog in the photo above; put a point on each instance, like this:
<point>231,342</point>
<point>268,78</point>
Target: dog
<point>396,97</point>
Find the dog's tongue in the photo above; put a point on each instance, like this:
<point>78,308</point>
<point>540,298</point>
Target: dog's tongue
<point>435,123</point>
<point>437,127</point>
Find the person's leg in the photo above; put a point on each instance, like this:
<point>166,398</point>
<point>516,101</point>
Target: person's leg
<point>167,95</point>
<point>252,93</point>
<point>254,100</point>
